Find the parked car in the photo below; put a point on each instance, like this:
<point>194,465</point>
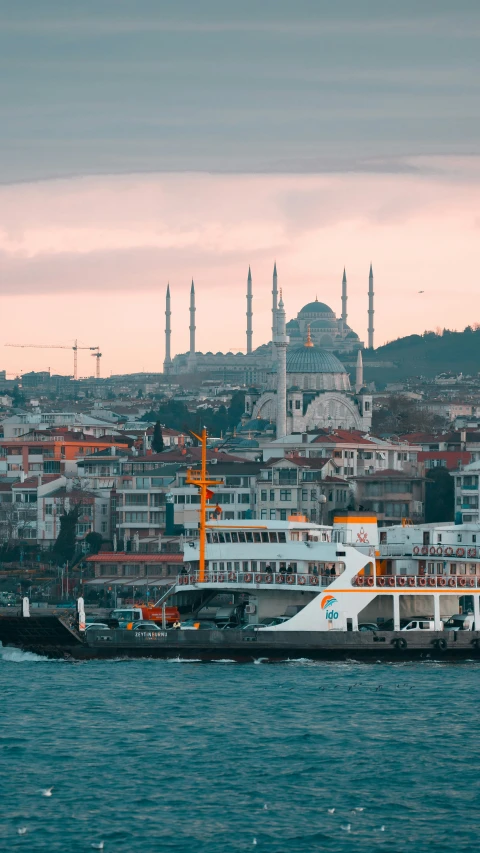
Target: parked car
<point>198,625</point>
<point>95,626</point>
<point>460,622</point>
<point>152,627</point>
<point>368,626</point>
<point>420,625</point>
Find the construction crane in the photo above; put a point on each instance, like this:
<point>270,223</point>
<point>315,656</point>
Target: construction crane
<point>75,349</point>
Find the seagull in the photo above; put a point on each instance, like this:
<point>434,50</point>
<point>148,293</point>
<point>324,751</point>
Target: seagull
<point>97,845</point>
<point>382,829</point>
<point>22,830</point>
<point>265,808</point>
<point>47,792</point>
<point>254,841</point>
<point>359,809</point>
<point>331,811</point>
<point>347,828</point>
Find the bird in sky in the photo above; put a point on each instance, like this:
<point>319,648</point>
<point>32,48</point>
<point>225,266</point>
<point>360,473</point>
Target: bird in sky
<point>421,291</point>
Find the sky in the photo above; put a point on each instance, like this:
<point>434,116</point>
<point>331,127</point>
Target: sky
<point>152,142</point>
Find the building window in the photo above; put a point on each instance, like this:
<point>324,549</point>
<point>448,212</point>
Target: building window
<point>285,494</point>
<point>263,514</point>
<point>263,495</point>
<point>104,526</point>
<point>272,515</point>
<point>283,515</point>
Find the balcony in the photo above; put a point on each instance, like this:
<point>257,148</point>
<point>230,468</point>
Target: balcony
<point>470,488</point>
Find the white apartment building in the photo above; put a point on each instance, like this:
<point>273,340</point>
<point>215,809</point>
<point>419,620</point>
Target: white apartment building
<point>17,425</point>
<point>296,484</point>
<point>467,493</point>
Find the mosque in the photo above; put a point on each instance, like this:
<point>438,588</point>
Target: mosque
<point>303,383</point>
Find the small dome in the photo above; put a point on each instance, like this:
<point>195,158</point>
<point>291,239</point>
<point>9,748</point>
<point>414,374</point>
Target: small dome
<point>316,308</point>
<point>292,324</point>
<point>352,335</point>
<point>312,360</point>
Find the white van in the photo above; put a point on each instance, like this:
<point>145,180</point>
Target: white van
<point>420,625</point>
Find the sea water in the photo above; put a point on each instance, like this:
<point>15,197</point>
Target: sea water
<point>181,756</point>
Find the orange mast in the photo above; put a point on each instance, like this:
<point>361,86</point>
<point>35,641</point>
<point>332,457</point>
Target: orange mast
<point>201,481</point>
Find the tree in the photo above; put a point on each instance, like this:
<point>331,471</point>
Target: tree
<point>94,541</point>
<point>157,440</point>
<point>439,496</point>
<point>400,414</point>
<point>64,548</point>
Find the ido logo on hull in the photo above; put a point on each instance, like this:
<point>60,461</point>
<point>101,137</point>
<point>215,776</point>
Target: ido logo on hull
<point>327,604</point>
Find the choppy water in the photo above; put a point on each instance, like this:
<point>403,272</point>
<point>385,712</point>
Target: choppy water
<point>177,756</point>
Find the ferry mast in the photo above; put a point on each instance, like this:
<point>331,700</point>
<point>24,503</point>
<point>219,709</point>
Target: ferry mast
<point>199,478</point>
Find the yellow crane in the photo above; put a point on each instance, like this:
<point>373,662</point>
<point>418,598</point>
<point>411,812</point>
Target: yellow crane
<point>96,352</point>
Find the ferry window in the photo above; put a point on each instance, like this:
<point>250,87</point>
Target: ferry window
<point>439,537</point>
<point>241,536</point>
<point>264,536</point>
<point>234,537</point>
<point>229,567</point>
<point>257,537</point>
<point>273,566</point>
<point>249,536</point>
<point>294,536</point>
<point>324,537</point>
<point>263,566</point>
<point>472,568</point>
<point>282,537</point>
<point>283,568</point>
<point>228,538</point>
<point>272,537</point>
<point>253,565</point>
<point>461,569</point>
<point>221,537</point>
<point>221,566</point>
<point>214,567</point>
<point>453,568</point>
<point>209,538</point>
<point>245,566</point>
<point>431,568</point>
<point>214,537</point>
<point>459,537</point>
<point>236,567</point>
<point>474,538</point>
<point>439,568</point>
<point>340,568</point>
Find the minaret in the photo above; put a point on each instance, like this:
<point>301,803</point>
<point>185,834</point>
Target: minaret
<point>281,344</point>
<point>191,357</point>
<point>249,312</point>
<point>274,306</point>
<point>167,364</point>
<point>370,309</point>
<point>344,299</point>
<point>359,373</point>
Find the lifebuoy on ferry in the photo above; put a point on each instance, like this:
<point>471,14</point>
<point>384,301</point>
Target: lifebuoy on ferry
<point>460,552</point>
<point>472,552</point>
<point>314,581</point>
<point>470,581</point>
<point>290,579</point>
<point>369,581</point>
<point>430,581</point>
<point>411,581</point>
<point>441,581</point>
<point>232,576</point>
<point>422,581</point>
<point>268,578</point>
<point>451,582</point>
<point>301,580</point>
<point>258,578</point>
<point>424,550</point>
<point>462,581</point>
<point>432,551</point>
<point>439,551</point>
<point>180,580</point>
<point>448,551</point>
<point>402,580</point>
<point>416,550</point>
<point>221,578</point>
<point>381,581</point>
<point>247,578</point>
<point>360,580</point>
<point>391,581</point>
<point>279,578</point>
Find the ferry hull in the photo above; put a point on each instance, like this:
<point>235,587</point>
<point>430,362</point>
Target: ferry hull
<point>50,637</point>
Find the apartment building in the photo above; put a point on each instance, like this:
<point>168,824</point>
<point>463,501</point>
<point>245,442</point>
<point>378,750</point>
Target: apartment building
<point>467,493</point>
<point>294,484</point>
<point>235,497</point>
<point>392,495</point>
<point>48,453</point>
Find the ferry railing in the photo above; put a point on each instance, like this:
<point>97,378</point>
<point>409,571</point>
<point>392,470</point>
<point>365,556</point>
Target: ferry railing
<point>295,580</point>
<point>464,582</point>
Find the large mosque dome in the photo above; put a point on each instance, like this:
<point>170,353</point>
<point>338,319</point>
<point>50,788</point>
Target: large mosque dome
<point>316,308</point>
<point>311,359</point>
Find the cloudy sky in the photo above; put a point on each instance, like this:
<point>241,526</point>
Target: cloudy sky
<point>154,141</point>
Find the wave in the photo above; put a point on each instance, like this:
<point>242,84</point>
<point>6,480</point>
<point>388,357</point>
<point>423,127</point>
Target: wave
<point>10,654</point>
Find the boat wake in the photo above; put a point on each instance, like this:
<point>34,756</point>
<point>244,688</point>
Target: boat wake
<point>12,655</point>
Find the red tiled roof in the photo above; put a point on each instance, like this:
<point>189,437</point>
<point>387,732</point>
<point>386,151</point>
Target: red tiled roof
<point>32,482</point>
<point>301,461</point>
<point>343,436</point>
<point>122,557</point>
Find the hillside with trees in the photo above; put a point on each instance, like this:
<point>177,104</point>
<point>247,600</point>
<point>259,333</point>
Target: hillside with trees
<point>426,355</point>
